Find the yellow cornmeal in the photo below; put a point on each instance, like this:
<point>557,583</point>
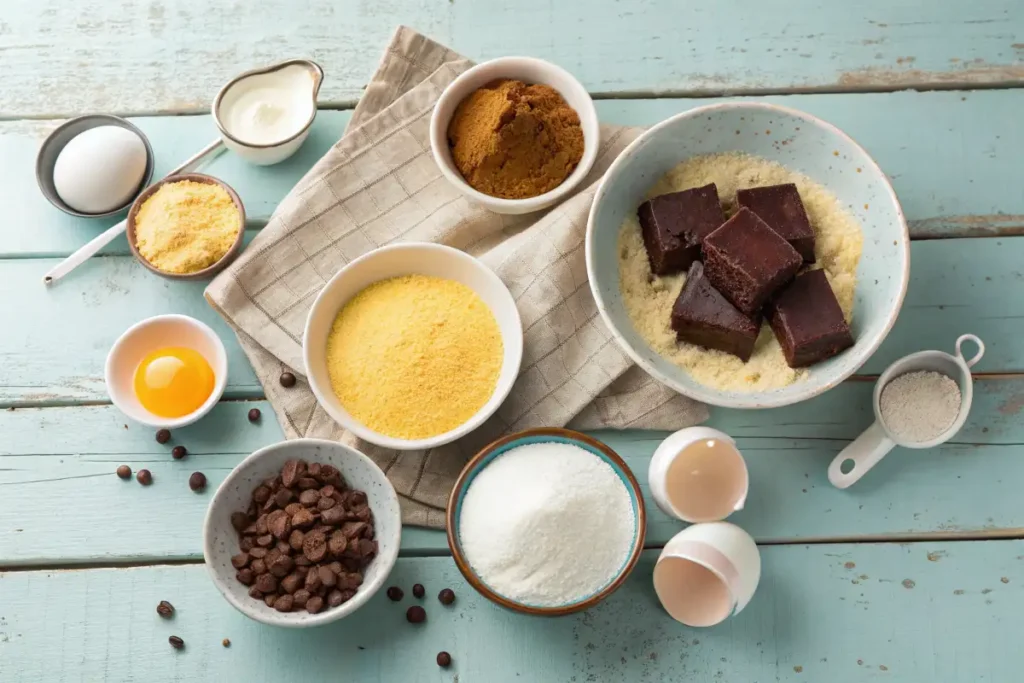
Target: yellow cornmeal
<point>838,241</point>
<point>186,226</point>
<point>414,356</point>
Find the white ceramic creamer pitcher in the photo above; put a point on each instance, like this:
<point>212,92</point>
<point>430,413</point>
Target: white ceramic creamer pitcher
<point>877,440</point>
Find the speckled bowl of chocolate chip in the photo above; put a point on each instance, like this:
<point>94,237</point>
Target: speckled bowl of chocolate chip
<point>302,533</point>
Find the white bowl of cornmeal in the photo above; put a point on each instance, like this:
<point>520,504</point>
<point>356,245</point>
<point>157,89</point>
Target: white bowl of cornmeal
<point>413,346</point>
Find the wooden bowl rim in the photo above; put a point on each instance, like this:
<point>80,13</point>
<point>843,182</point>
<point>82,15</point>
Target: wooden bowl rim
<point>213,268</point>
<point>483,589</point>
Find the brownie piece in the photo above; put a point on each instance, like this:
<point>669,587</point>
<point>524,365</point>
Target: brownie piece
<point>673,226</point>
<point>702,316</point>
<point>747,261</point>
<point>807,321</point>
<point>781,208</point>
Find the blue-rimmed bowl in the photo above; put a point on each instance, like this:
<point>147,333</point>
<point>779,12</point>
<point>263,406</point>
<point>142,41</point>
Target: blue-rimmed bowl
<point>800,142</point>
<point>532,436</point>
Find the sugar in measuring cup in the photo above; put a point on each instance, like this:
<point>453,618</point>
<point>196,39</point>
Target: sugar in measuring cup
<point>913,397</point>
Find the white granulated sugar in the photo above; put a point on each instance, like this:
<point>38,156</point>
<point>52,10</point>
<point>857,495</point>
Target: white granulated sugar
<point>547,524</point>
<point>919,406</point>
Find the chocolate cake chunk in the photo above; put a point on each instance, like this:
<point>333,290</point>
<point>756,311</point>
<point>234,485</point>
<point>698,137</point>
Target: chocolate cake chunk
<point>747,261</point>
<point>807,321</point>
<point>673,226</point>
<point>702,316</point>
<point>781,208</point>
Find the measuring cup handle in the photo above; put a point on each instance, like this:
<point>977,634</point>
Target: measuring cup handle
<point>865,451</point>
<point>977,342</point>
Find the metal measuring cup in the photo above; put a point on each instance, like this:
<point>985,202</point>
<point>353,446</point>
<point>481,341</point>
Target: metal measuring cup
<point>876,441</point>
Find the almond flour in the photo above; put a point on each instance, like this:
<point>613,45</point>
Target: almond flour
<point>648,298</point>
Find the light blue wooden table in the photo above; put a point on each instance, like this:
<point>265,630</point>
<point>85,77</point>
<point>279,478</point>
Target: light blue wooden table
<point>916,574</point>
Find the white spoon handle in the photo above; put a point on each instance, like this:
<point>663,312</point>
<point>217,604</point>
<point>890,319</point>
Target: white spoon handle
<point>864,452</point>
<point>92,247</point>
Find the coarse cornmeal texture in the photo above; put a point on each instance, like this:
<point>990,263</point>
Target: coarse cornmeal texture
<point>186,226</point>
<point>414,356</point>
<point>648,299</point>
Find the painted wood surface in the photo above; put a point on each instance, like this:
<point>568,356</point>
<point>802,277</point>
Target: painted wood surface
<point>948,155</point>
<point>964,489</point>
<point>936,612</point>
<point>956,286</point>
<point>162,56</point>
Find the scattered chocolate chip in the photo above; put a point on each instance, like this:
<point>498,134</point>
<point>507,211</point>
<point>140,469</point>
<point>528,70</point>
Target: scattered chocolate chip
<point>446,596</point>
<point>416,614</point>
<point>163,435</point>
<point>176,642</point>
<point>179,452</point>
<point>165,609</point>
<point>124,472</point>
<point>254,415</point>
<point>144,477</point>
<point>418,590</point>
<point>444,660</point>
<point>197,482</point>
<point>395,593</point>
<point>287,380</point>
<point>226,642</point>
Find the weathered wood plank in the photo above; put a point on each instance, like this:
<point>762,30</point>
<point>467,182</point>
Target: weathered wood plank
<point>948,154</point>
<point>172,57</point>
<point>52,456</point>
<point>937,612</point>
<point>956,286</point>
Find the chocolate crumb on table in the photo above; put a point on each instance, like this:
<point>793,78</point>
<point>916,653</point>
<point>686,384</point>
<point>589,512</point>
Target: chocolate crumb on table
<point>808,322</point>
<point>782,209</point>
<point>747,261</point>
<point>674,224</point>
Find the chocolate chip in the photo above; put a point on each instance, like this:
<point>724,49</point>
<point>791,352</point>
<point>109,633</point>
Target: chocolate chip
<point>163,435</point>
<point>226,642</point>
<point>295,539</point>
<point>254,415</point>
<point>176,642</point>
<point>354,529</point>
<point>258,553</point>
<point>287,380</point>
<point>258,567</point>
<point>307,483</point>
<point>283,497</point>
<point>245,577</point>
<point>270,599</point>
<point>395,593</point>
<point>284,547</point>
<point>355,499</point>
<point>316,470</point>
<point>334,598</point>
<point>246,544</point>
<point>197,482</point>
<point>165,609</point>
<point>314,604</point>
<point>144,477</point>
<point>265,540</point>
<point>314,546</point>
<point>291,583</point>
<point>350,580</point>
<point>336,567</point>
<point>416,614</point>
<point>301,595</point>
<point>261,494</point>
<point>262,526</point>
<point>239,520</point>
<point>325,503</point>
<point>124,472</point>
<point>336,544</point>
<point>179,452</point>
<point>266,583</point>
<point>327,577</point>
<point>302,561</point>
<point>240,560</point>
<point>444,660</point>
<point>313,581</point>
<point>334,515</point>
<point>309,497</point>
<point>418,590</point>
<point>284,603</point>
<point>279,524</point>
<point>281,566</point>
<point>303,519</point>
<point>446,596</point>
<point>255,593</point>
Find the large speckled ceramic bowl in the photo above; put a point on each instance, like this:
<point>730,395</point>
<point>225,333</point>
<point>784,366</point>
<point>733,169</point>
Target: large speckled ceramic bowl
<point>220,541</point>
<point>800,142</point>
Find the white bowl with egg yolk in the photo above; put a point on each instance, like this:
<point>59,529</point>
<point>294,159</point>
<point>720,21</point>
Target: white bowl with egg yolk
<point>151,334</point>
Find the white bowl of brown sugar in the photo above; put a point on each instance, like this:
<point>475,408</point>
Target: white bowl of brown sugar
<point>413,346</point>
<point>515,134</point>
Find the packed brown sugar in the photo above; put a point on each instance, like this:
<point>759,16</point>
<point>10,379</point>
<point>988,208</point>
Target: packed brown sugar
<point>414,356</point>
<point>512,140</point>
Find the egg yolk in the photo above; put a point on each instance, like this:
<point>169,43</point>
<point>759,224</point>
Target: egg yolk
<point>173,382</point>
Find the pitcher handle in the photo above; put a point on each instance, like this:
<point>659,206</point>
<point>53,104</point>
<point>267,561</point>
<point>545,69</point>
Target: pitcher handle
<point>865,451</point>
<point>977,342</point>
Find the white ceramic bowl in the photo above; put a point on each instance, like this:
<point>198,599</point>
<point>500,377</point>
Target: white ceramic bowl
<point>220,540</point>
<point>149,335</point>
<point>800,142</point>
<point>405,259</point>
<point>530,71</point>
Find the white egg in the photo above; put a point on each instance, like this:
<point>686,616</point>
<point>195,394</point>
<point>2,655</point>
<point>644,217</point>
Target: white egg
<point>100,169</point>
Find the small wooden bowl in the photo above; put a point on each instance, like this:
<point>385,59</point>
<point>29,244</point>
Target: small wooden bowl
<point>209,271</point>
<point>545,434</point>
